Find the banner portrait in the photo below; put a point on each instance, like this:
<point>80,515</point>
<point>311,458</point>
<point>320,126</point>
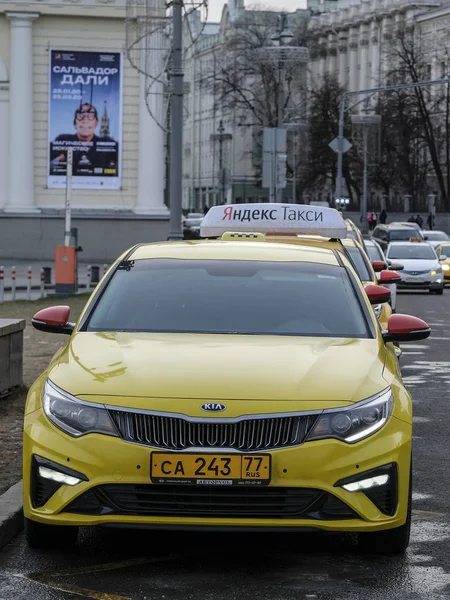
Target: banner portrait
<point>85,113</point>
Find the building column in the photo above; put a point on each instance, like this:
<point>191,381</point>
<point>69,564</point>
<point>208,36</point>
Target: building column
<point>4,137</point>
<point>375,55</point>
<point>332,54</point>
<point>151,147</point>
<point>364,58</point>
<point>353,59</point>
<point>20,195</point>
<point>386,36</point>
<point>343,59</point>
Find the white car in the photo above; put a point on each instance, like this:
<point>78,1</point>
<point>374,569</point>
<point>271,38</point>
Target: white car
<point>434,238</point>
<point>422,269</point>
<point>411,224</point>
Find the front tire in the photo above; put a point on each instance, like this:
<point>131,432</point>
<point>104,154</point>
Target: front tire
<point>389,541</point>
<point>40,535</point>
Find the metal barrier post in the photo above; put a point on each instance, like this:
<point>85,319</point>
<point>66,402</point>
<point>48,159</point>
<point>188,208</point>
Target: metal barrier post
<point>13,282</point>
<point>42,283</point>
<point>29,274</point>
<point>2,284</point>
<point>89,276</point>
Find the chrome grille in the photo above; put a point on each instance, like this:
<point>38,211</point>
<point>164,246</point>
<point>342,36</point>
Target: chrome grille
<point>414,272</point>
<point>245,435</point>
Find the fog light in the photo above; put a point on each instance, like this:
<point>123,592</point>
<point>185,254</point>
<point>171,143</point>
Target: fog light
<point>438,280</point>
<point>47,473</point>
<point>365,484</point>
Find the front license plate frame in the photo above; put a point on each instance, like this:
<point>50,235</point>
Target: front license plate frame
<point>215,468</point>
<point>413,280</point>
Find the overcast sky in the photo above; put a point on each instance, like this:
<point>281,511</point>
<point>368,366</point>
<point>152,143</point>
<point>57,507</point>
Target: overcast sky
<point>215,6</point>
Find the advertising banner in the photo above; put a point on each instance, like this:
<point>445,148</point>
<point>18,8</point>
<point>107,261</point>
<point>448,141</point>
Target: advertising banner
<point>85,113</point>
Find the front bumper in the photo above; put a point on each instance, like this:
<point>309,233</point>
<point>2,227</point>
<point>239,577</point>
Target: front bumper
<point>420,282</point>
<point>118,491</point>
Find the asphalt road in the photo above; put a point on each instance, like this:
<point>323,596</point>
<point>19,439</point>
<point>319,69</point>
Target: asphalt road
<point>120,564</point>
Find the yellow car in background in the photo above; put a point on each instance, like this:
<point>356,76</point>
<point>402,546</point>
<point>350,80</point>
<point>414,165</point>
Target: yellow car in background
<point>444,250</point>
<point>368,276</point>
<point>359,259</point>
<point>353,232</point>
<point>225,383</point>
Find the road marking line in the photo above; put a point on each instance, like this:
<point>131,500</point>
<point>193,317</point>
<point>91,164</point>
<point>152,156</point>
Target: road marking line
<point>121,564</point>
<point>425,515</point>
<point>47,579</point>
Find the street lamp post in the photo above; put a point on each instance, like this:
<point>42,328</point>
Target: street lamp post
<point>176,130</point>
<point>221,137</point>
<point>282,38</point>
<point>367,121</point>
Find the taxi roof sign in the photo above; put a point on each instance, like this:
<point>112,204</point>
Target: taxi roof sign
<point>264,218</point>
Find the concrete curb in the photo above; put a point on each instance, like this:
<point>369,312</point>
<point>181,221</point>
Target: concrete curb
<point>11,515</point>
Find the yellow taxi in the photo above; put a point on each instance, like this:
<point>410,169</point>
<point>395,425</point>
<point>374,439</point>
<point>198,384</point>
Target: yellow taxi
<point>444,250</point>
<point>353,232</point>
<point>370,273</point>
<point>225,383</point>
<point>368,276</point>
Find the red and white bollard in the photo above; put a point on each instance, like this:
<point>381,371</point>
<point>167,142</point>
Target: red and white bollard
<point>2,284</point>
<point>89,276</point>
<point>29,275</point>
<point>42,283</point>
<point>13,283</point>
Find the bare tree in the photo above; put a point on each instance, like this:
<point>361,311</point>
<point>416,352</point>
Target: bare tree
<point>246,81</point>
<point>403,166</point>
<point>432,108</point>
<point>323,128</point>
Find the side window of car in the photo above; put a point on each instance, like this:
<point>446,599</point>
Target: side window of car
<point>382,234</point>
<point>376,232</point>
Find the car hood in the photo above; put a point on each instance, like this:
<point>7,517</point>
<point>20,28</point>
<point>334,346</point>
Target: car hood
<point>417,265</point>
<point>213,367</point>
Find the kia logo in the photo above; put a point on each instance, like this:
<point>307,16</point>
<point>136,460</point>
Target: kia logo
<point>213,407</point>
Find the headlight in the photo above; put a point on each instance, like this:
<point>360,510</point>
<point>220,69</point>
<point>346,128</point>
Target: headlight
<point>377,308</point>
<point>445,268</point>
<point>437,271</point>
<point>73,416</point>
<point>354,423</point>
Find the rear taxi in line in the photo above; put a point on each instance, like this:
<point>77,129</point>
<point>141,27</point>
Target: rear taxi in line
<point>443,251</point>
<point>225,383</point>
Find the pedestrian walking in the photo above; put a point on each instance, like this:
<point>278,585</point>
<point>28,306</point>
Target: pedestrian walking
<point>370,220</point>
<point>374,220</point>
<point>419,221</point>
<point>430,221</point>
<point>383,216</point>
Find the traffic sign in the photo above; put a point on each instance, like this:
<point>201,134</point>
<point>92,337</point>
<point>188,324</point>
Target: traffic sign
<point>334,145</point>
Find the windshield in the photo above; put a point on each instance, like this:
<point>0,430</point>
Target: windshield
<point>412,252</point>
<point>374,252</point>
<point>360,264</point>
<point>239,297</point>
<point>404,234</point>
<point>437,236</point>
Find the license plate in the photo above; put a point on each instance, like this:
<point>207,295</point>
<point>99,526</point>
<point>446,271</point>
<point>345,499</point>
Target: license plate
<point>210,469</point>
<point>413,280</point>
